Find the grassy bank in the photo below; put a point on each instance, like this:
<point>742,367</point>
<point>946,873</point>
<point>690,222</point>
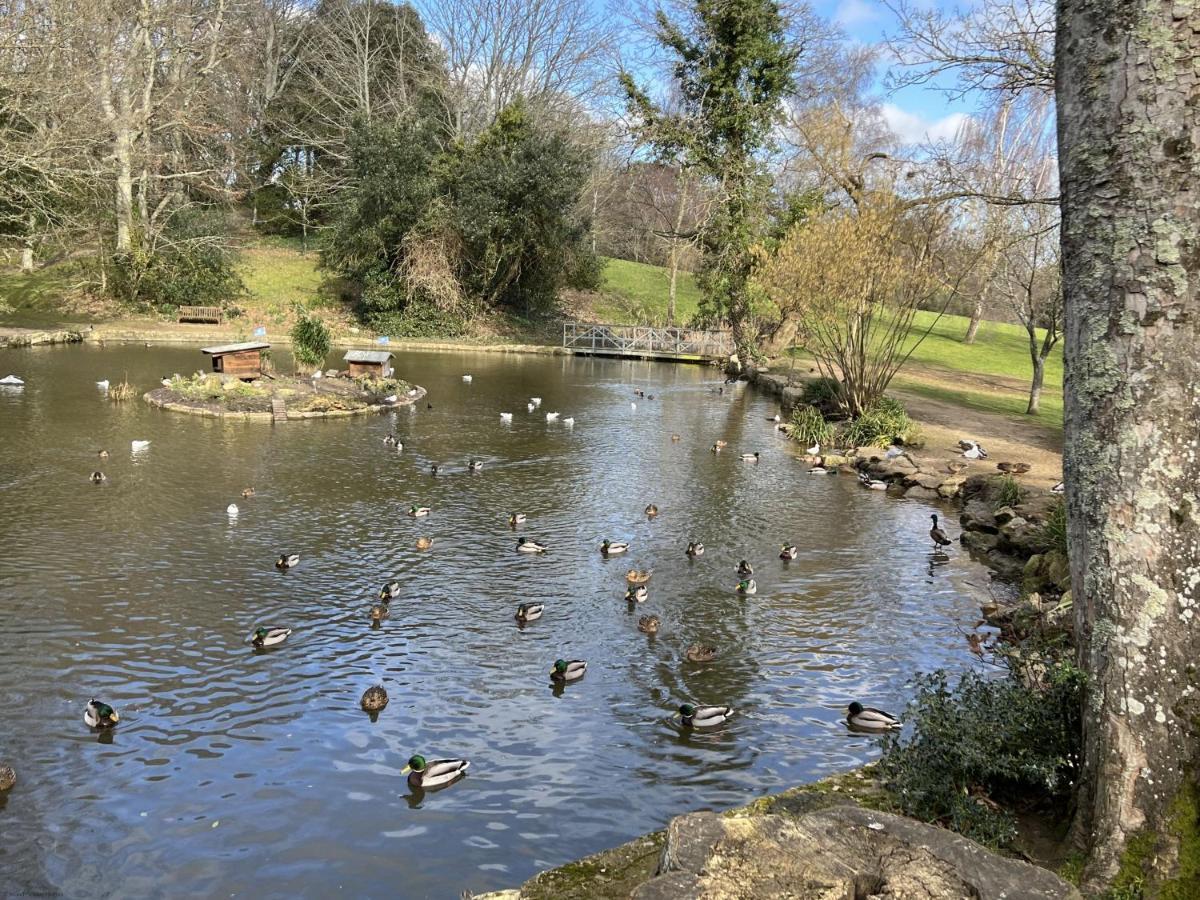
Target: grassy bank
<point>636,293</point>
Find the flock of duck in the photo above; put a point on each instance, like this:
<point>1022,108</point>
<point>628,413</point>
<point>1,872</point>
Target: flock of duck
<point>424,773</point>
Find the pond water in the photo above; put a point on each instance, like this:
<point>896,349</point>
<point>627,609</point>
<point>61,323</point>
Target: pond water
<point>232,770</point>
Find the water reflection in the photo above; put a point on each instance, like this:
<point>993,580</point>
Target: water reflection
<point>142,591</point>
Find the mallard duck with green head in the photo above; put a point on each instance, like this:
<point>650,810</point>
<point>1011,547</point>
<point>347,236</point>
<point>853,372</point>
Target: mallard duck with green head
<point>612,548</point>
<point>868,718</point>
<point>747,586</point>
<point>433,773</point>
<point>515,519</point>
<point>389,591</point>
<point>100,715</point>
<point>694,549</point>
<point>530,612</point>
<point>566,670</point>
<point>637,593</point>
<point>703,716</point>
<point>417,511</point>
<point>268,636</point>
<point>287,561</point>
<point>524,545</point>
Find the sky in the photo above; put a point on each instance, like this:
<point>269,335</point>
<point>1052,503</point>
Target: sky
<point>915,114</point>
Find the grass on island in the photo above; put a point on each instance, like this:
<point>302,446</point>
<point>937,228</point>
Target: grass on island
<point>636,294</point>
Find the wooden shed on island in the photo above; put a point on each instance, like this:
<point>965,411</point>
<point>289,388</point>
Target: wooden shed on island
<point>243,360</point>
<point>375,363</point>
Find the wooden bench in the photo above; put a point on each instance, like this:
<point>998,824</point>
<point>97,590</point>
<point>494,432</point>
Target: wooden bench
<point>200,314</point>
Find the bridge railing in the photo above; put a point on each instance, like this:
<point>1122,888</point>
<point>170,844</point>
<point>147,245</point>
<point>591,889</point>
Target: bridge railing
<point>633,340</point>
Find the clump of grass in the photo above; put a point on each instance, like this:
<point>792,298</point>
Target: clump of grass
<point>885,422</point>
<point>808,426</point>
<point>1007,491</point>
<point>1053,533</point>
<point>121,392</point>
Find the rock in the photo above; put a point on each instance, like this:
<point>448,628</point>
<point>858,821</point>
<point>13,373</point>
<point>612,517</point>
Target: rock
<point>833,461</point>
<point>1004,515</point>
<point>836,853</point>
<point>977,516</point>
<point>976,486</point>
<point>891,469</point>
<point>980,541</point>
<point>926,480</point>
<point>917,492</point>
<point>1020,537</point>
<point>949,488</point>
<point>791,397</point>
<point>8,777</point>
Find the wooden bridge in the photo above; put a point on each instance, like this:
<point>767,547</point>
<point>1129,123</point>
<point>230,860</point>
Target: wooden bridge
<point>647,342</point>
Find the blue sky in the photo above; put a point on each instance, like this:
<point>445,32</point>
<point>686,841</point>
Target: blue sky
<point>914,113</point>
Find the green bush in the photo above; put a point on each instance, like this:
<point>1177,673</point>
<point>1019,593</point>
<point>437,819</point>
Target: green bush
<point>311,342</point>
<point>822,392</point>
<point>808,426</point>
<point>1052,535</point>
<point>986,740</point>
<point>197,273</point>
<point>1007,491</point>
<point>884,422</point>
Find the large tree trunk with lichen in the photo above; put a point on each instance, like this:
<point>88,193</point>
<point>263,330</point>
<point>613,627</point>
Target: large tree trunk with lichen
<point>1128,75</point>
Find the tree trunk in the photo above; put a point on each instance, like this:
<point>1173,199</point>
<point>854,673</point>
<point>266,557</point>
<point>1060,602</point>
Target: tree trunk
<point>124,189</point>
<point>1128,129</point>
<point>1035,389</point>
<point>976,318</point>
<point>674,277</point>
<point>27,248</point>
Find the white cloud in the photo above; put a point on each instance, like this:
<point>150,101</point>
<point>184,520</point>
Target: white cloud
<point>912,128</point>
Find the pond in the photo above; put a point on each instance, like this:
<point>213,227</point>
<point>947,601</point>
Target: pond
<point>231,769</point>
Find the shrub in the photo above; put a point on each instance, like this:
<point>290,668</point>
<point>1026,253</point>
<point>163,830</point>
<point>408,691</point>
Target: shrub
<point>1052,535</point>
<point>884,422</point>
<point>808,426</point>
<point>418,317</point>
<point>1007,491</point>
<point>986,738</point>
<point>310,340</point>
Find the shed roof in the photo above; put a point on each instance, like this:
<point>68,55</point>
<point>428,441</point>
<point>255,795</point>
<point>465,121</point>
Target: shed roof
<point>235,348</point>
<point>367,356</point>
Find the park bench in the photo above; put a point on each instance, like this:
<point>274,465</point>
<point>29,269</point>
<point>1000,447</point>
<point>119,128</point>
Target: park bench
<point>200,314</point>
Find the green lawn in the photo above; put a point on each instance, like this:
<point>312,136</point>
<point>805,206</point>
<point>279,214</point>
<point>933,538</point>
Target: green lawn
<point>277,274</point>
<point>636,293</point>
<point>999,349</point>
<point>34,299</point>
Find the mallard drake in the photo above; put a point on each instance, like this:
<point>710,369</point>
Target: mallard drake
<point>262,636</point>
<point>515,519</point>
<point>675,438</point>
<point>475,465</point>
<point>637,593</point>
<point>374,699</point>
<point>612,548</point>
<point>747,586</point>
<point>100,715</point>
<point>1013,468</point>
<point>247,492</point>
<point>819,470</point>
<point>749,457</point>
<point>648,624</point>
<point>869,719</point>
<point>505,417</point>
<point>633,576</point>
<point>389,440</point>
<point>417,511</point>
<point>97,477</point>
<point>651,511</point>
<point>287,561</point>
<point>568,670</point>
<point>698,653</point>
<point>745,569</point>
<point>937,535</point>
<point>694,549</point>
<point>524,545</point>
<point>389,591</point>
<point>424,543</point>
<point>103,454</point>
<point>434,773</point>
<point>873,484</point>
<point>529,612</point>
<point>379,612</point>
<point>703,716</point>
<point>788,552</point>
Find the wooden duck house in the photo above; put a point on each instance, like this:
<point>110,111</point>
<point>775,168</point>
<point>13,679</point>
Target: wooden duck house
<point>375,363</point>
<point>241,360</point>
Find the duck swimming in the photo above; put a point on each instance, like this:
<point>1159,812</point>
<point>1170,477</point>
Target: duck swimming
<point>529,612</point>
<point>247,492</point>
<point>389,591</point>
<point>287,561</point>
<point>263,636</point>
<point>97,477</point>
<point>698,653</point>
<point>418,511</point>
<point>374,699</point>
<point>434,773</point>
<point>505,417</point>
<point>651,511</point>
<point>648,624</point>
<point>748,586</point>
<point>475,465</point>
<point>789,552</point>
<point>749,457</point>
<point>694,549</point>
<point>103,454</point>
<point>870,719</point>
<point>524,545</point>
<point>424,543</point>
<point>612,548</point>
<point>515,519</point>
<point>633,576</point>
<point>378,613</point>
<point>745,569</point>
<point>637,593</point>
<point>100,715</point>
<point>568,670</point>
<point>703,716</point>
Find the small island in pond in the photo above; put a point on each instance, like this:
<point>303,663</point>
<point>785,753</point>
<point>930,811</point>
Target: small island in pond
<point>253,392</point>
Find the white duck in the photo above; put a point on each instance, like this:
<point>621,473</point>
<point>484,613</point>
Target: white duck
<point>135,446</point>
<point>103,385</point>
<point>505,417</point>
